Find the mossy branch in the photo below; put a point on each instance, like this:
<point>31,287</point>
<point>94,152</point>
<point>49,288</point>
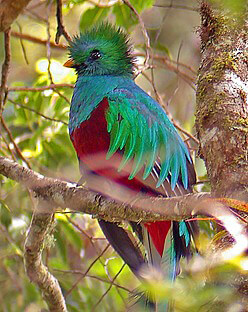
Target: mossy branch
<point>55,193</point>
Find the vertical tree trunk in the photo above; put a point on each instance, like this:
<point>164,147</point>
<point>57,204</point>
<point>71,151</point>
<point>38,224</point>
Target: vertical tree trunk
<point>222,110</point>
<point>222,102</point>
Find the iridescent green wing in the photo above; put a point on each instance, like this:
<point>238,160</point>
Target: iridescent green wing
<point>139,126</point>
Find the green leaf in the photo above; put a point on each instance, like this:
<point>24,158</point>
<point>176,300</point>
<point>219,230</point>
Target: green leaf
<point>72,235</point>
<point>30,291</point>
<point>124,16</point>
<point>5,214</point>
<point>61,245</point>
<point>92,16</point>
<point>141,5</point>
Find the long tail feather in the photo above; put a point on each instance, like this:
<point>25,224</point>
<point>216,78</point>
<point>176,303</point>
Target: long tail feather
<point>124,245</point>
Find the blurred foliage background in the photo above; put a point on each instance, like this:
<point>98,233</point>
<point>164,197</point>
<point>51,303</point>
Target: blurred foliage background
<point>34,133</point>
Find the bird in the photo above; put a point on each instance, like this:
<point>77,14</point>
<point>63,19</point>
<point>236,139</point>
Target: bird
<point>127,146</point>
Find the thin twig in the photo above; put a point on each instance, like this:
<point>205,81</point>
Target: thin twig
<point>36,6</point>
<point>5,69</point>
<point>144,31</point>
<point>8,147</point>
<point>202,182</point>
<point>176,6</point>
<point>168,66</point>
<point>60,26</point>
<point>86,272</point>
<point>5,232</point>
<point>163,59</point>
<point>33,14</point>
<point>18,151</point>
<point>38,113</point>
<point>110,286</point>
<point>38,40</point>
<point>190,136</point>
<point>81,231</point>
<point>94,277</point>
<point>14,278</point>
<point>49,55</point>
<point>48,46</point>
<point>22,45</point>
<point>43,88</point>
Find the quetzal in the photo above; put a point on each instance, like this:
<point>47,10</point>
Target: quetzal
<point>126,144</point>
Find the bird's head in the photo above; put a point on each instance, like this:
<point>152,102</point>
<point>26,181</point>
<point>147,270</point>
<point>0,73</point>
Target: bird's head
<point>102,50</point>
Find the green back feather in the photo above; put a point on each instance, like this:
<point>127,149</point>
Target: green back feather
<point>139,126</point>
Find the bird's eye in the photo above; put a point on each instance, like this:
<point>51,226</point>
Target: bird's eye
<point>95,54</point>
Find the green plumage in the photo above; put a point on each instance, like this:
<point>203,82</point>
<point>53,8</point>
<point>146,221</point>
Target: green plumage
<point>116,58</point>
<point>144,132</point>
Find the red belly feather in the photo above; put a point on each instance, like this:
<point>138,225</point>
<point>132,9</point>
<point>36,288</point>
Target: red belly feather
<point>92,136</point>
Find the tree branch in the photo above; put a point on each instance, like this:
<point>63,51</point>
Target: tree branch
<point>57,193</point>
<point>43,88</point>
<point>144,31</point>
<point>5,70</point>
<point>9,10</point>
<point>60,26</point>
<point>52,193</point>
<point>37,272</point>
<point>38,40</point>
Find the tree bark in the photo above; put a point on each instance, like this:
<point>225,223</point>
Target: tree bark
<point>222,111</point>
<point>222,103</point>
<point>54,193</point>
<point>38,273</point>
<point>9,10</point>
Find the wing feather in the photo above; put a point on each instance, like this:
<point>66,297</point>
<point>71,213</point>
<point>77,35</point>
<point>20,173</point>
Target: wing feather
<point>138,159</point>
<point>139,127</point>
<point>114,139</point>
<point>151,158</point>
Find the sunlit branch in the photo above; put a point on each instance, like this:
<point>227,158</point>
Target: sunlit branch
<point>53,193</point>
<point>43,88</point>
<point>38,40</point>
<point>56,193</point>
